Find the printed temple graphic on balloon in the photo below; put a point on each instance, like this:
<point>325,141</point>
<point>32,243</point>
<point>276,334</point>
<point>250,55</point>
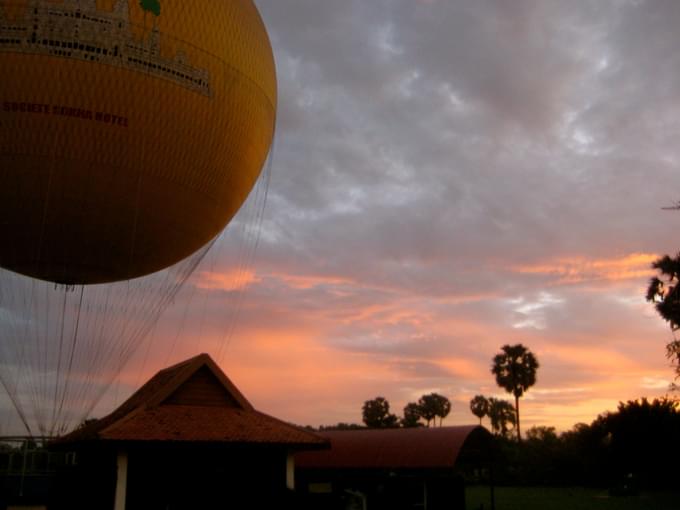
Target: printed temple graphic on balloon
<point>79,30</point>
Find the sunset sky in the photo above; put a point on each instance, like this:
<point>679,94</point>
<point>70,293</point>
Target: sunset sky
<point>448,177</point>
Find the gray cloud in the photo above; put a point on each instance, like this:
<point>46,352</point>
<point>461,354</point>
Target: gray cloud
<point>428,138</point>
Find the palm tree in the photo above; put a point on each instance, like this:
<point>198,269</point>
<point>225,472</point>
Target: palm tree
<point>432,406</point>
<point>515,370</point>
<point>444,408</point>
<point>479,406</point>
<point>501,414</point>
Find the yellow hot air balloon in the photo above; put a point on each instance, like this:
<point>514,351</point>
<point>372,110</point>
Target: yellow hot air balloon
<point>130,131</point>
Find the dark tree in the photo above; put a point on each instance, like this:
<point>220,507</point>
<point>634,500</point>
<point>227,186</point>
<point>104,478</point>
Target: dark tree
<point>515,371</point>
<point>585,454</point>
<point>427,409</point>
<point>666,295</point>
<point>501,414</point>
<point>434,405</point>
<point>542,434</point>
<point>479,406</point>
<point>376,414</point>
<point>443,407</point>
<point>666,298</point>
<point>643,439</point>
<point>411,416</point>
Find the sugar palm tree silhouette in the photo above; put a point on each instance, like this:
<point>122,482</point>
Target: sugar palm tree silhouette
<point>515,371</point>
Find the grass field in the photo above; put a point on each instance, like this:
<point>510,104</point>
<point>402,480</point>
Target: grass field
<point>542,498</point>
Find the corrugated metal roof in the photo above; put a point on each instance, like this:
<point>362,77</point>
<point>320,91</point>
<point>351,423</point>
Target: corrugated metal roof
<point>438,447</point>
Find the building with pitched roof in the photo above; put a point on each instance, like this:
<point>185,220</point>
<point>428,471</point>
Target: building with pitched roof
<point>186,439</point>
<point>394,468</point>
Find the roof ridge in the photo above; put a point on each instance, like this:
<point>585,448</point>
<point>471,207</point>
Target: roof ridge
<point>192,366</point>
<point>181,363</point>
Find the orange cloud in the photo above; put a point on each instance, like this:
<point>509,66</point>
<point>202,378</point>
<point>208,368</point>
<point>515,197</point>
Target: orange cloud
<point>227,281</point>
<point>572,270</point>
<point>305,282</point>
<point>464,368</point>
<point>595,359</point>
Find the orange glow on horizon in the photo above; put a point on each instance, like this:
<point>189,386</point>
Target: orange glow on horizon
<point>309,363</point>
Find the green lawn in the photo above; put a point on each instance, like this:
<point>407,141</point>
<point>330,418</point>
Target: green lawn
<point>542,498</point>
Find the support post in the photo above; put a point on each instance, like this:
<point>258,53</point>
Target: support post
<point>290,471</point>
<point>491,486</point>
<point>121,480</point>
<point>23,468</point>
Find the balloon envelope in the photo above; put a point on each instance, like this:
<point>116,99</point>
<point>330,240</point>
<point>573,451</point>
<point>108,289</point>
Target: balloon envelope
<point>130,132</point>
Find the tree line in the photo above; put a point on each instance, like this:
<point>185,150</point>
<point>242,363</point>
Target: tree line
<point>634,447</point>
<point>376,412</point>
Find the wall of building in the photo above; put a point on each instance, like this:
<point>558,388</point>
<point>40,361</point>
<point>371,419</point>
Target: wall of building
<point>190,478</point>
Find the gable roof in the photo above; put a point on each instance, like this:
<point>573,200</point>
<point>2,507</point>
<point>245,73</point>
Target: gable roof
<point>192,401</point>
<point>409,448</point>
